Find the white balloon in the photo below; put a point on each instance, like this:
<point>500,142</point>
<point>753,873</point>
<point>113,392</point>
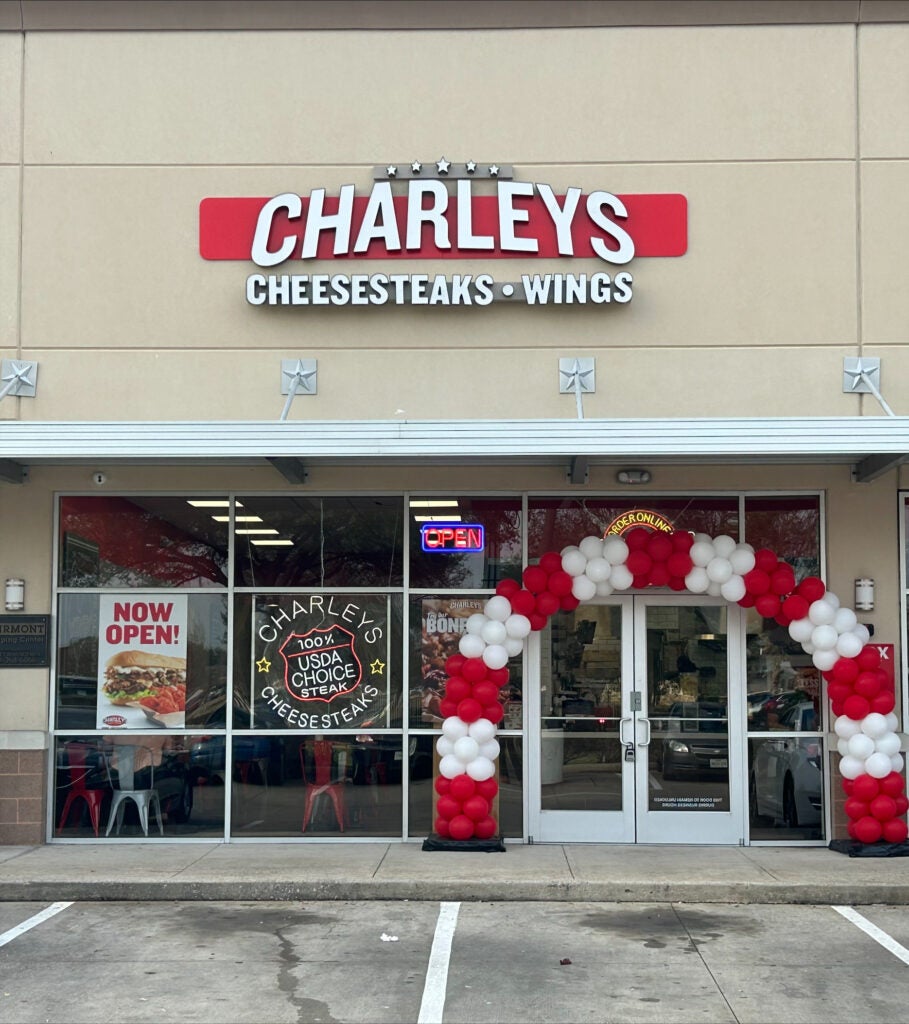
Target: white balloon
<point>476,622</point>
<point>824,638</point>
<point>823,661</point>
<point>482,730</point>
<point>832,599</point>
<point>848,645</point>
<point>801,629</point>
<point>701,552</point>
<point>615,551</point>
<point>697,581</point>
<point>860,745</point>
<point>733,589</point>
<point>850,767</point>
<point>574,562</point>
<point>480,769</point>
<point>719,569</point>
<point>495,656</point>
<point>742,559</point>
<point>888,744</point>
<point>724,545</point>
<point>450,767</point>
<point>893,723</point>
<point>702,538</point>
<point>863,633</point>
<point>494,632</point>
<point>467,748</point>
<point>498,607</point>
<point>846,727</point>
<point>471,645</point>
<point>844,621</point>
<point>514,646</point>
<point>621,578</point>
<point>821,612</point>
<point>592,547</point>
<point>583,588</point>
<point>714,589</point>
<point>878,766</point>
<point>874,725</point>
<point>517,626</point>
<point>454,728</point>
<point>444,746</point>
<point>808,647</point>
<point>604,589</point>
<point>896,763</point>
<point>489,749</point>
<point>599,569</point>
<point>842,746</point>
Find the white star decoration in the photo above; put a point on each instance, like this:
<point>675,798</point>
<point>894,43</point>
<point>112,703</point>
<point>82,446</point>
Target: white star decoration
<point>576,378</point>
<point>859,373</point>
<point>416,167</point>
<point>493,170</point>
<point>391,171</point>
<point>299,376</point>
<point>471,166</point>
<point>443,165</point>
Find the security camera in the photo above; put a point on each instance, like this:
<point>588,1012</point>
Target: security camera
<point>99,479</point>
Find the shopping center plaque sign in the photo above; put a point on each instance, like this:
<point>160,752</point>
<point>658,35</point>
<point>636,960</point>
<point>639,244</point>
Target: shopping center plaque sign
<point>24,641</point>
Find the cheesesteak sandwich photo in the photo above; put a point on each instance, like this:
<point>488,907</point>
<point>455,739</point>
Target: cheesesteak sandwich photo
<point>131,676</point>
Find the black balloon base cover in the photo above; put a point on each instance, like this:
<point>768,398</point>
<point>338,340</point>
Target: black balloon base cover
<point>435,842</point>
<point>856,849</point>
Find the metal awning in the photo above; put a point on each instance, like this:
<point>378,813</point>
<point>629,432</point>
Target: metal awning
<point>872,444</point>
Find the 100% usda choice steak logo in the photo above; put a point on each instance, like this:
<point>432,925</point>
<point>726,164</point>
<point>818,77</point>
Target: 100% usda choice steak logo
<point>321,664</point>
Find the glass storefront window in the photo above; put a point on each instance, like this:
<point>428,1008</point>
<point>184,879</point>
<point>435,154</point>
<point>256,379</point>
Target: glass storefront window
<point>305,541</point>
<point>445,565</point>
<point>142,542</point>
<point>790,526</point>
<point>786,783</point>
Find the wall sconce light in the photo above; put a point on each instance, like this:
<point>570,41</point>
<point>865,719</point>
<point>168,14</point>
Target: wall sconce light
<point>864,594</point>
<point>15,595</point>
<point>633,476</point>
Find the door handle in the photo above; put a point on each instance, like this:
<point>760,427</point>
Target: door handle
<point>622,723</point>
<point>646,742</point>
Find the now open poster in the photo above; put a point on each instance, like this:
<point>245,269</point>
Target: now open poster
<point>142,661</point>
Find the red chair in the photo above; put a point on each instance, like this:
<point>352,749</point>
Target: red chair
<point>322,782</point>
<point>79,770</point>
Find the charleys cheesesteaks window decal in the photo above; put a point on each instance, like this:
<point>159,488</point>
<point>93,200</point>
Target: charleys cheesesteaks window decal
<point>321,661</point>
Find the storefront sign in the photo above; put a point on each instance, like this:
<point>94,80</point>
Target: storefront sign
<point>24,641</point>
<point>457,537</point>
<point>430,222</point>
<point>320,661</point>
<point>638,517</point>
<point>142,662</point>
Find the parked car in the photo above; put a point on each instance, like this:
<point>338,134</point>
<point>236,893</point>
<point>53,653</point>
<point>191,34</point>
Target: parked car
<point>786,781</point>
<point>696,741</point>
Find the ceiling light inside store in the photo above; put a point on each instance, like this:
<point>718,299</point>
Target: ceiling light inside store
<point>238,519</point>
<point>257,529</point>
<point>437,519</point>
<point>212,503</point>
<point>273,543</point>
<point>433,503</point>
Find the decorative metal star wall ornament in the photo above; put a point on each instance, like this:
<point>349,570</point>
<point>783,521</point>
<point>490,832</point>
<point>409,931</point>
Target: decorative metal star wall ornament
<point>471,166</point>
<point>18,378</point>
<point>860,372</point>
<point>416,167</point>
<point>392,171</point>
<point>577,376</point>
<point>299,376</point>
<point>493,170</point>
<point>443,165</point>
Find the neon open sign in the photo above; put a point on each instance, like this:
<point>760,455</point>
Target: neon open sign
<point>447,537</point>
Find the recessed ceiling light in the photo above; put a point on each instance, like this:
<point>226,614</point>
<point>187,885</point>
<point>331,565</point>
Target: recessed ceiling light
<point>238,519</point>
<point>212,503</point>
<point>437,519</point>
<point>257,529</point>
<point>273,543</point>
<point>433,503</point>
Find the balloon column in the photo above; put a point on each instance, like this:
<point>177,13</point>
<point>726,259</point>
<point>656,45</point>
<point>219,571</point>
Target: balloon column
<point>861,699</point>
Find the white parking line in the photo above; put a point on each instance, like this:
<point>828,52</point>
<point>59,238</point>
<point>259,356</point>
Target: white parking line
<point>433,1005</point>
<point>890,944</point>
<point>42,915</point>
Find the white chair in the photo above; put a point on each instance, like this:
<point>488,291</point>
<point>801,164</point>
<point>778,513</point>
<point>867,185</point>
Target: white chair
<point>124,788</point>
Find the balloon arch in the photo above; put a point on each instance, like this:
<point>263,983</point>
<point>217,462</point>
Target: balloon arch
<point>860,693</point>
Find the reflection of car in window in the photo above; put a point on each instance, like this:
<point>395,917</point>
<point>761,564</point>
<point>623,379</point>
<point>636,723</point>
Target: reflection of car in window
<point>695,740</point>
<point>785,784</point>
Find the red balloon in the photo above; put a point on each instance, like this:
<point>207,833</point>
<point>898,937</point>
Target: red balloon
<point>547,603</point>
<point>523,602</point>
<point>447,807</point>
<point>659,574</point>
<point>868,657</point>
<point>902,804</point>
<point>494,712</point>
<point>462,788</point>
<point>485,691</point>
<point>865,787</point>
<point>488,788</point>
<point>868,829</point>
<point>442,785</point>
<point>682,540</point>
<point>638,562</point>
<point>679,564</point>
<point>856,707</point>
<point>641,581</point>
<point>894,831</point>
<point>551,562</point>
<point>677,583</point>
<point>782,581</point>
<point>767,605</point>
<point>836,706</point>
<point>868,684</point>
<point>454,663</point>
<point>448,708</point>
<point>848,785</point>
<point>461,827</point>
<point>474,670</point>
<point>486,828</point>
<point>559,583</point>
<point>850,829</point>
<point>757,582</point>
<point>883,807</point>
<point>892,784</point>
<point>811,588</point>
<point>659,546</point>
<point>766,561</point>
<point>845,670</point>
<point>637,538</point>
<point>568,603</point>
<point>856,809</point>
<point>839,691</point>
<point>535,579</point>
<point>499,676</point>
<point>537,621</point>
<point>458,688</point>
<point>469,710</point>
<point>781,618</point>
<point>747,601</point>
<point>506,588</point>
<point>882,703</point>
<point>476,808</point>
<point>441,828</point>
<point>796,607</point>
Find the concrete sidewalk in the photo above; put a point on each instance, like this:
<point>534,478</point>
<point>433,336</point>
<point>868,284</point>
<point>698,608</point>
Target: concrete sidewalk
<point>404,871</point>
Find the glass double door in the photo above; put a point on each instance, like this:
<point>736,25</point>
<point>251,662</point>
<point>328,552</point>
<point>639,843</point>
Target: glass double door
<point>639,722</point>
